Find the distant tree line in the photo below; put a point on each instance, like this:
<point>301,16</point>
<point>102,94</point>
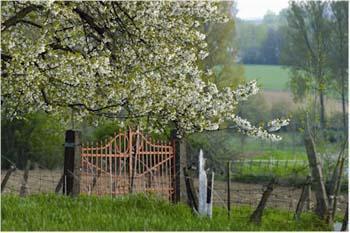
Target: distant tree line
<point>261,41</point>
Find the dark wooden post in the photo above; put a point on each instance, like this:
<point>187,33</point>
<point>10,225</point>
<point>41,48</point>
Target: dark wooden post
<point>346,218</point>
<point>257,214</point>
<point>228,188</point>
<point>71,171</point>
<point>6,178</point>
<point>210,194</point>
<point>180,161</point>
<point>176,181</point>
<point>192,198</point>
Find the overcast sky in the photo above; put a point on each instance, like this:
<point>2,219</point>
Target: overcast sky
<point>253,9</point>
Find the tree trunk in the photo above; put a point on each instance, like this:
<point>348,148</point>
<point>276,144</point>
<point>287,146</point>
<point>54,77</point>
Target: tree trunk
<point>343,94</point>
<point>322,112</point>
<point>332,184</point>
<point>317,178</point>
<point>337,190</point>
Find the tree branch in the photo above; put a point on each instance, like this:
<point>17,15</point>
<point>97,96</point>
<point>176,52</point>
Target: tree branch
<point>19,16</point>
<point>90,20</point>
<point>30,23</point>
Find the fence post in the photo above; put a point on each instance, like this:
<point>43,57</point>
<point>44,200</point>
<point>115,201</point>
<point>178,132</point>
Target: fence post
<point>210,192</point>
<point>59,185</point>
<point>309,197</point>
<point>202,180</point>
<point>228,188</point>
<point>257,214</point>
<point>191,193</point>
<point>322,207</point>
<point>303,198</point>
<point>344,225</point>
<point>71,170</point>
<point>180,161</point>
<point>6,178</point>
<point>24,187</point>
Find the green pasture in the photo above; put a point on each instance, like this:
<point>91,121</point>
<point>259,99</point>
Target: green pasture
<point>270,77</point>
<point>290,147</point>
<point>286,171</point>
<point>136,213</point>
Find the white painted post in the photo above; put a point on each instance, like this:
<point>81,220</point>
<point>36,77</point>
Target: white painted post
<point>202,205</point>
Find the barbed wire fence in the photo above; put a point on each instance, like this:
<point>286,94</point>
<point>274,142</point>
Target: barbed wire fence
<point>40,179</point>
<point>249,178</point>
<point>44,180</point>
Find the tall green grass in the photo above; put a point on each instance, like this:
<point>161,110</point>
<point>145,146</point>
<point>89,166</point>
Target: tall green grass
<point>134,212</point>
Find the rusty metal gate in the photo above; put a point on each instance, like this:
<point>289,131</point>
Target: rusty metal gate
<point>128,163</point>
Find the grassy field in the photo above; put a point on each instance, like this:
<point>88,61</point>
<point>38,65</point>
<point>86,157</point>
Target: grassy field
<point>138,213</point>
<point>270,77</point>
<point>273,80</point>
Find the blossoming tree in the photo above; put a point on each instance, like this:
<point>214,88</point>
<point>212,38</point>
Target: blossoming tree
<point>127,60</point>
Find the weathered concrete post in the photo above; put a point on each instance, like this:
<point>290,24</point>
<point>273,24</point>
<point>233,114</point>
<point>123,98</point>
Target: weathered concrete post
<point>206,186</point>
<point>71,170</point>
<point>202,207</point>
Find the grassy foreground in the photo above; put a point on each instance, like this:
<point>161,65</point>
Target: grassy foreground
<point>135,212</point>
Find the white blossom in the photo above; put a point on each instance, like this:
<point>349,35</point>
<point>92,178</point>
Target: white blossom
<point>144,70</point>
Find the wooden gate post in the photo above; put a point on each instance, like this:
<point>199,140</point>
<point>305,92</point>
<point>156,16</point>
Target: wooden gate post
<point>71,170</point>
<point>180,161</point>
